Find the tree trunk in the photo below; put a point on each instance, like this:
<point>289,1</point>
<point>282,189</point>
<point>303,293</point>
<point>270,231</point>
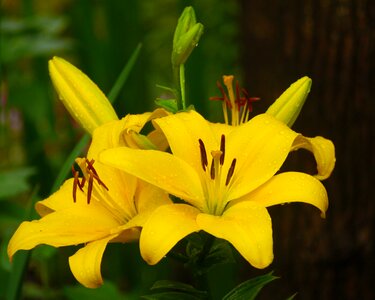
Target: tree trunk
<point>331,42</point>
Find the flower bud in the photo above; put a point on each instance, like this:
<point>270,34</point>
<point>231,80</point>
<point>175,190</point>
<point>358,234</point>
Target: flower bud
<point>287,107</point>
<point>186,36</point>
<point>82,98</point>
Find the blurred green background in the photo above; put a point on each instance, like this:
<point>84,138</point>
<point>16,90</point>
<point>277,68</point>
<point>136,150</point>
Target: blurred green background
<point>267,45</point>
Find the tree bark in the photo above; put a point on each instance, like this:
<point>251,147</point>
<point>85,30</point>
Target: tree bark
<point>331,41</point>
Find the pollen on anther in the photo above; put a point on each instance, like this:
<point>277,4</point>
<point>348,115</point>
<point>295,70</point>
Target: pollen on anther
<point>230,171</point>
<point>222,149</point>
<point>212,170</point>
<point>204,160</point>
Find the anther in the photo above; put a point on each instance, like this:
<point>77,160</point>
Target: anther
<point>230,171</point>
<point>75,183</point>
<point>224,96</point>
<point>203,155</point>
<point>212,170</point>
<point>89,189</point>
<point>94,174</point>
<point>91,174</point>
<point>222,149</point>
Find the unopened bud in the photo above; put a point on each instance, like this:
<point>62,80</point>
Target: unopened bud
<point>82,98</point>
<point>186,36</point>
<point>288,106</point>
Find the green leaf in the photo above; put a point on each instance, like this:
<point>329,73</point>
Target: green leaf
<point>249,289</point>
<point>168,289</point>
<point>20,259</point>
<point>14,182</point>
<point>292,297</point>
<point>107,291</point>
<point>219,252</point>
<point>176,286</point>
<point>171,296</point>
<point>123,77</point>
<point>168,104</point>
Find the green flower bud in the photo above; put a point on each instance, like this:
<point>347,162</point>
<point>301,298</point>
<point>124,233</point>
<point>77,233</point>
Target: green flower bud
<point>186,36</point>
<point>287,107</point>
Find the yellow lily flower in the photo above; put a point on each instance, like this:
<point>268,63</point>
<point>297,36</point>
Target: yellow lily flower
<point>82,98</point>
<point>227,177</point>
<point>106,205</point>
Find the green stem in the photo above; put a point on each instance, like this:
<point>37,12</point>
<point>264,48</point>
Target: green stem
<point>182,85</point>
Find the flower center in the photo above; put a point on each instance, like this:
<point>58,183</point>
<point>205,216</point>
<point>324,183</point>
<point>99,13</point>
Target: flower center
<point>92,175</point>
<point>215,187</point>
<point>238,102</point>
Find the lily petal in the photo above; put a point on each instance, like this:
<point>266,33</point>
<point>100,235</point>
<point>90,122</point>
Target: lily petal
<point>147,199</point>
<point>247,226</point>
<point>323,150</point>
<point>78,224</point>
<point>158,168</point>
<point>290,187</point>
<point>85,263</point>
<point>183,131</point>
<point>60,200</point>
<point>83,99</point>
<point>260,146</point>
<point>166,226</point>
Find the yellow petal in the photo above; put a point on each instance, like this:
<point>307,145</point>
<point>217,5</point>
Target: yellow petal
<point>166,226</point>
<point>183,131</point>
<point>247,226</point>
<point>82,98</point>
<point>158,168</point>
<point>147,198</point>
<point>323,150</point>
<point>61,199</point>
<point>290,187</point>
<point>85,263</point>
<point>260,147</point>
<point>287,107</point>
<point>80,223</point>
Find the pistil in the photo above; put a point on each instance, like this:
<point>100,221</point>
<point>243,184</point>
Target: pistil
<point>213,185</point>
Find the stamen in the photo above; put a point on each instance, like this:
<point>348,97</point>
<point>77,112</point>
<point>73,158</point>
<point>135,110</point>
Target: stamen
<point>204,160</point>
<point>92,174</point>
<point>224,96</point>
<point>222,149</point>
<point>237,100</point>
<point>212,173</point>
<point>89,189</point>
<point>230,171</point>
<point>75,183</point>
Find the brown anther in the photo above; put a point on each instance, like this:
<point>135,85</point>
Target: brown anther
<point>202,149</point>
<point>212,170</point>
<point>89,189</point>
<point>92,171</point>
<point>75,183</point>
<point>230,171</point>
<point>224,96</point>
<point>222,149</point>
<point>92,175</point>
